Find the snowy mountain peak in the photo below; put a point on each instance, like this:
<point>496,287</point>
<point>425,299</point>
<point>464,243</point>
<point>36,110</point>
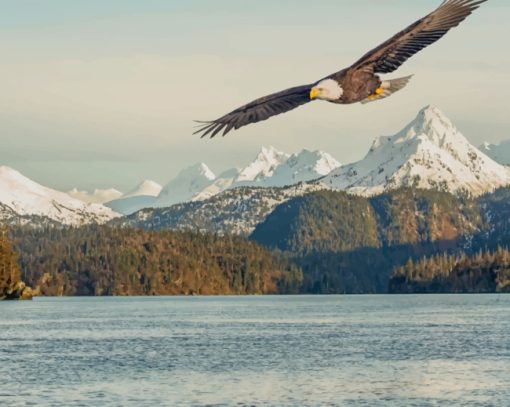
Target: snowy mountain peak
<point>432,112</point>
<point>432,125</point>
<point>264,165</point>
<point>186,186</point>
<point>269,153</point>
<point>429,153</point>
<point>22,196</point>
<point>318,161</point>
<point>145,188</point>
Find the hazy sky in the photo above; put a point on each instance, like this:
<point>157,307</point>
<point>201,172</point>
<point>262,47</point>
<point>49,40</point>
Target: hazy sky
<point>102,93</point>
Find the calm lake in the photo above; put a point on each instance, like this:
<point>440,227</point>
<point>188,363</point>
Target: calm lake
<point>262,351</point>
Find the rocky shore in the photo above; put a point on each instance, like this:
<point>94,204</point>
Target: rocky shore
<point>17,291</point>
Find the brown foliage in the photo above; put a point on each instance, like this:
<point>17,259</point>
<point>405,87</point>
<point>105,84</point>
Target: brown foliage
<point>111,261</point>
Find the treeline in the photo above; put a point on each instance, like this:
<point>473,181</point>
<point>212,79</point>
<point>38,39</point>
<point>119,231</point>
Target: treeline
<point>100,260</point>
<point>484,272</point>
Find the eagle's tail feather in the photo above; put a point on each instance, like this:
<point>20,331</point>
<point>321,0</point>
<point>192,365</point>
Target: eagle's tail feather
<point>388,88</point>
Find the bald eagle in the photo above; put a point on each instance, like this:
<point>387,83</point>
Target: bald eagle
<point>359,82</point>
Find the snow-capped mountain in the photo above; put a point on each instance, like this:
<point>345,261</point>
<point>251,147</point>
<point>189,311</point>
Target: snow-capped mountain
<point>263,167</point>
<point>142,196</point>
<point>145,188</point>
<point>186,186</point>
<point>20,195</point>
<point>429,153</point>
<point>98,196</point>
<point>498,152</point>
<point>301,167</point>
<point>224,181</point>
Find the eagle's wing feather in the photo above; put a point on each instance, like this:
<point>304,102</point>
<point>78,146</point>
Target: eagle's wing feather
<point>258,110</point>
<point>390,55</point>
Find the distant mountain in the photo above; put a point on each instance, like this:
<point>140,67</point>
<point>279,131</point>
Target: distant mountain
<point>234,211</point>
<point>300,167</point>
<point>145,188</point>
<point>429,153</point>
<point>270,168</point>
<point>498,152</point>
<point>99,196</point>
<point>263,167</point>
<point>22,197</point>
<point>223,182</point>
<point>186,186</point>
<point>142,196</point>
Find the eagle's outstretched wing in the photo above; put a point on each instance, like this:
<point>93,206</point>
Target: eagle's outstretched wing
<point>258,110</point>
<point>384,59</point>
<point>390,55</point>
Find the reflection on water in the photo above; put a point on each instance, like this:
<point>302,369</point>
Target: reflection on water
<point>264,351</point>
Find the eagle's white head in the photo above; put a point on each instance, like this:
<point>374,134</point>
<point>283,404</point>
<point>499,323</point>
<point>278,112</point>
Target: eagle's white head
<point>327,89</point>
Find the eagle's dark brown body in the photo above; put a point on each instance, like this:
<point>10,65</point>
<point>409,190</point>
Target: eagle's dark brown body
<point>357,86</point>
<point>359,82</point>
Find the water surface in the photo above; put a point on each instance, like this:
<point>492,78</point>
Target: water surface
<point>263,351</point>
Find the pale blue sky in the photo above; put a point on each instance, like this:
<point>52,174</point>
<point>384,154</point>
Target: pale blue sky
<point>102,93</point>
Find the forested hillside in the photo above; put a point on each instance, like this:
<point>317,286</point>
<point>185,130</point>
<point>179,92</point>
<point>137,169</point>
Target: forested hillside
<point>485,272</point>
<point>324,242</point>
<point>351,244</point>
<point>335,221</point>
<point>105,261</point>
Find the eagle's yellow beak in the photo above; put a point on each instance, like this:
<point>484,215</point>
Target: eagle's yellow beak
<point>314,93</point>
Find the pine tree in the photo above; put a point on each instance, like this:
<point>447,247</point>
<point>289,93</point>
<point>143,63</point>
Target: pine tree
<point>9,269</point>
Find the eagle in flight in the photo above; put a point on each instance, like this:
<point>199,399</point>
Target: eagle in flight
<point>357,83</point>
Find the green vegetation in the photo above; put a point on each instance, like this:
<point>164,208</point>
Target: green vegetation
<point>322,243</point>
<point>320,222</point>
<point>484,272</point>
<point>106,261</point>
<point>351,244</point>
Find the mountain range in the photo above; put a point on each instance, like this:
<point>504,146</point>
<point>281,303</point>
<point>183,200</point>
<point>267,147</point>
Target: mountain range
<point>429,153</point>
<point>270,168</point>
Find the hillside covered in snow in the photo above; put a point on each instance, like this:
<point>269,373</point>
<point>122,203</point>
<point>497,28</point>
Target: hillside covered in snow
<point>20,196</point>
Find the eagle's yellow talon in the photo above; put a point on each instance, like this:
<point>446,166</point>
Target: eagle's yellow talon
<point>376,94</point>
